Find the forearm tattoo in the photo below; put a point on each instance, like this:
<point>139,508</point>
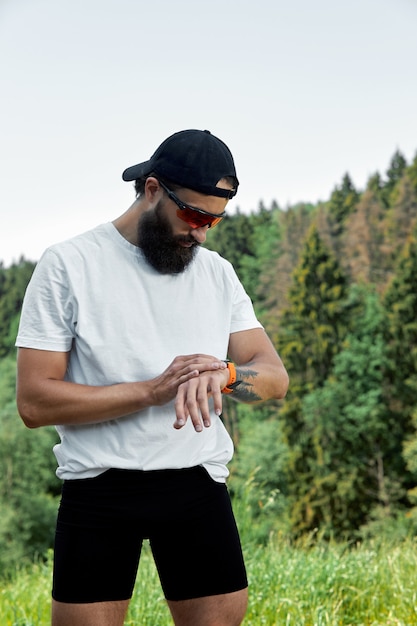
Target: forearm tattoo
<point>243,387</point>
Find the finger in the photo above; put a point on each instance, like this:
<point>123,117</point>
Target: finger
<point>181,411</point>
<point>194,370</point>
<point>203,361</point>
<point>207,366</point>
<point>198,402</point>
<point>180,422</point>
<point>203,405</point>
<point>217,401</point>
<point>190,393</point>
<point>187,375</point>
<point>195,415</point>
<point>197,358</point>
<point>202,411</point>
<point>187,404</point>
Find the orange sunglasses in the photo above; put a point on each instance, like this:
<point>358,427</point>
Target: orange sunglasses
<point>196,218</point>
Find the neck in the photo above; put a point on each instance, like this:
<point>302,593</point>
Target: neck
<point>127,223</point>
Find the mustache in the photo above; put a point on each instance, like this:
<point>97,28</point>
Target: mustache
<point>186,239</point>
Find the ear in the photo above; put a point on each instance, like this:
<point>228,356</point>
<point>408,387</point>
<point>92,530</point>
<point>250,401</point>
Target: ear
<point>153,189</point>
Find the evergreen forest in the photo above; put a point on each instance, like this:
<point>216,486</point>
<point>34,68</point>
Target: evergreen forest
<point>335,286</point>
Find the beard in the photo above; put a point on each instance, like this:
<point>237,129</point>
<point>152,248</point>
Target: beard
<point>160,247</point>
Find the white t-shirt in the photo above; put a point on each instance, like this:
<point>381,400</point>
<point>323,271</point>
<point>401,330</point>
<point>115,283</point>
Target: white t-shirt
<point>96,296</point>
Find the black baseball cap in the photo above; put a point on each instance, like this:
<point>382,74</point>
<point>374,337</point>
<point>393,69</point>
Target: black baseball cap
<point>194,159</point>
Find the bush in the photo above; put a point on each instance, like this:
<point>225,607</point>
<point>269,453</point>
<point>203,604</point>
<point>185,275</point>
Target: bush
<point>29,488</point>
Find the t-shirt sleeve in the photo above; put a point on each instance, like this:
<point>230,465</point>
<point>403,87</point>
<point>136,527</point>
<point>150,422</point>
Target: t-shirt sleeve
<point>48,317</point>
<point>243,314</point>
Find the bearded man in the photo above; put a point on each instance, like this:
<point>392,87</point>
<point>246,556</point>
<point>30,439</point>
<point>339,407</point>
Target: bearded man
<point>130,335</point>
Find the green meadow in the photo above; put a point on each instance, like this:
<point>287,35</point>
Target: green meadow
<point>313,584</point>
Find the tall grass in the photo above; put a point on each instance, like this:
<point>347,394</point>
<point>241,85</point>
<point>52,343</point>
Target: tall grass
<point>333,584</point>
<point>307,584</point>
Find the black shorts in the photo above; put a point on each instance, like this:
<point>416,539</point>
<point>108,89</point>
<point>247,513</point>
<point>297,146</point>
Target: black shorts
<point>185,514</point>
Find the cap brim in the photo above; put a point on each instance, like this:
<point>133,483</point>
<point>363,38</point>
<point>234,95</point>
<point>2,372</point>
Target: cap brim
<point>136,171</point>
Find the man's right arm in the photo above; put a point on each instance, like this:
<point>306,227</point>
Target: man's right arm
<point>45,398</point>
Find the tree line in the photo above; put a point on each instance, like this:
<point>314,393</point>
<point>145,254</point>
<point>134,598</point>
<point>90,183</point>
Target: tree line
<point>335,285</point>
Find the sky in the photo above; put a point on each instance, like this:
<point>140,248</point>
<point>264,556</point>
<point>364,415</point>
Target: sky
<point>301,91</point>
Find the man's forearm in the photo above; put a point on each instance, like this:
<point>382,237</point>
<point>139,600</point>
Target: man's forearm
<point>256,383</point>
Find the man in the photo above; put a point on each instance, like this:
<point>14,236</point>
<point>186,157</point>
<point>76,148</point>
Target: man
<point>123,342</point>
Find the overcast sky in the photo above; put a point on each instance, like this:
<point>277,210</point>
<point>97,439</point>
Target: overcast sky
<point>301,91</point>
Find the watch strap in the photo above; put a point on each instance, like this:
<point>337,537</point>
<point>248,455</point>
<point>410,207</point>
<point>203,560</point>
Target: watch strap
<point>232,377</point>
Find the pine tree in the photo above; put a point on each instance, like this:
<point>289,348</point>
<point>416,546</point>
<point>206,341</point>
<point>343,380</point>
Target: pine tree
<point>375,184</point>
<point>313,327</point>
<point>265,249</point>
<point>342,203</point>
<point>401,308</point>
<point>352,445</point>
<point>13,283</point>
<point>402,215</point>
<point>366,253</point>
<point>394,174</point>
<point>276,275</point>
<point>412,172</point>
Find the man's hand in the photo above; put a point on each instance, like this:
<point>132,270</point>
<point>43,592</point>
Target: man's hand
<point>183,370</point>
<point>261,374</point>
<point>193,396</point>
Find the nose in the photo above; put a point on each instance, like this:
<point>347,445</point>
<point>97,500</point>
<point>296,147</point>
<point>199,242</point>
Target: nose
<point>200,233</point>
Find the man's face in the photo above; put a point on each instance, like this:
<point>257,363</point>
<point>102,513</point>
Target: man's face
<point>166,252</point>
<point>168,242</point>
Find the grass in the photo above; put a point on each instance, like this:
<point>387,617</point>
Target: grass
<point>332,585</point>
<point>305,585</point>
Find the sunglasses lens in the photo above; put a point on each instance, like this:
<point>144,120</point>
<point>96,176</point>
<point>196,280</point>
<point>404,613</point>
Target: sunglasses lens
<point>197,220</point>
